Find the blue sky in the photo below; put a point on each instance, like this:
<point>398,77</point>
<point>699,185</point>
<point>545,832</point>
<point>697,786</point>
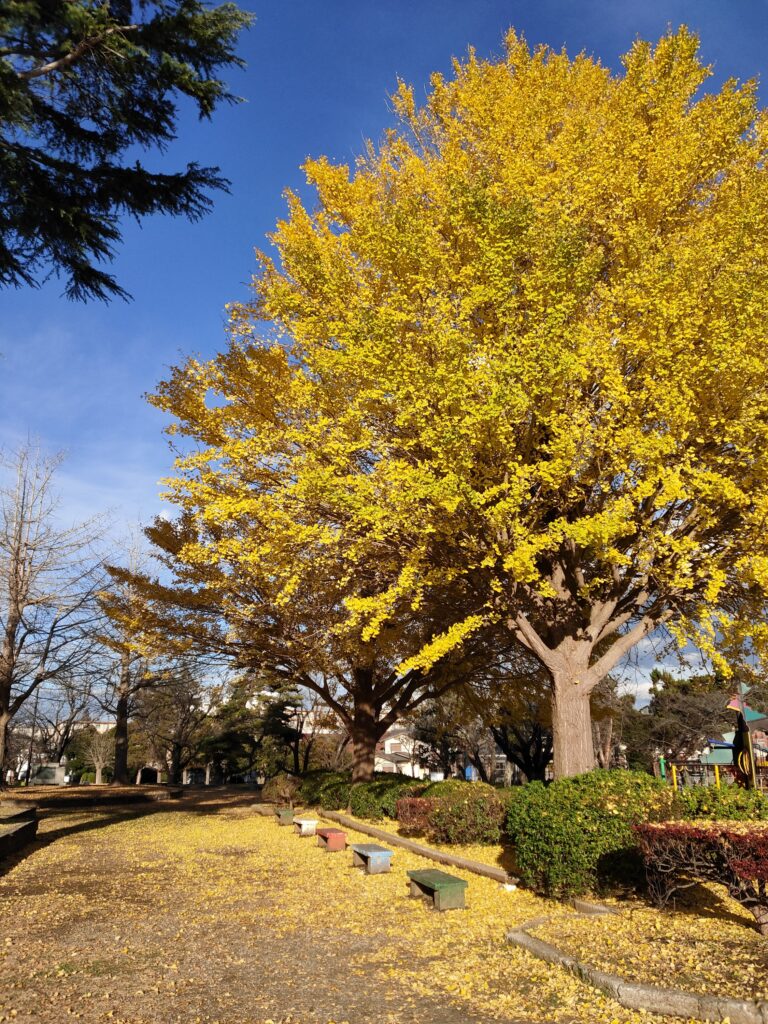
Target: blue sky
<point>317,81</point>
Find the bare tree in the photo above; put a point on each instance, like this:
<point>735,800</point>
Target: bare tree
<point>99,751</point>
<point>49,578</point>
<point>62,709</point>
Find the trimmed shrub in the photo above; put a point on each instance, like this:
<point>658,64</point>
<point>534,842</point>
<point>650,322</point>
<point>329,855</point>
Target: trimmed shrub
<point>281,789</point>
<point>729,803</point>
<point>378,799</point>
<point>329,790</point>
<point>736,856</point>
<point>414,813</point>
<point>449,787</point>
<point>474,815</point>
<point>576,834</point>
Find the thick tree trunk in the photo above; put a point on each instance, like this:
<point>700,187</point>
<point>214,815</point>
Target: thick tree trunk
<point>364,740</point>
<point>99,770</point>
<point>174,768</point>
<point>571,728</point>
<point>120,777</point>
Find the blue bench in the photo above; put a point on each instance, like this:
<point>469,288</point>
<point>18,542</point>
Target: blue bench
<point>373,859</point>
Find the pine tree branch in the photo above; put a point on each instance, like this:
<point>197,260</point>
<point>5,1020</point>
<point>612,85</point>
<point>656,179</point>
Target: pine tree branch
<point>74,55</point>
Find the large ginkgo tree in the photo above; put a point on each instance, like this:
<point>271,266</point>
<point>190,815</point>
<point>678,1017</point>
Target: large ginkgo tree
<point>518,352</point>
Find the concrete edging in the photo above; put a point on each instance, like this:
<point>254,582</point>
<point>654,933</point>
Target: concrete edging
<point>478,868</point>
<point>636,995</point>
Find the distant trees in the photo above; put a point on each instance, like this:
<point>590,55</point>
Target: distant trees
<point>173,715</point>
<point>50,576</point>
<point>83,86</point>
<point>683,714</point>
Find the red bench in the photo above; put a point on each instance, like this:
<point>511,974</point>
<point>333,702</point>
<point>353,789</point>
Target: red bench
<point>331,839</point>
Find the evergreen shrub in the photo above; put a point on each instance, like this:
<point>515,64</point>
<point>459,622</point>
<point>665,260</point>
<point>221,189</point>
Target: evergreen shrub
<point>729,803</point>
<point>472,816</point>
<point>575,835</point>
<point>378,799</point>
<point>329,790</point>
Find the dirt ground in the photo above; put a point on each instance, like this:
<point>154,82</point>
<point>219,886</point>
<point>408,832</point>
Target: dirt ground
<point>103,919</point>
<point>203,912</point>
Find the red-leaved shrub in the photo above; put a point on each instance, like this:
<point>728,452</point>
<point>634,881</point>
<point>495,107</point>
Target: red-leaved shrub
<point>414,812</point>
<point>678,855</point>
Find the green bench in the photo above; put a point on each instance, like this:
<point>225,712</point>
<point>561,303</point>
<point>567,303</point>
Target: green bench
<point>445,891</point>
<point>284,815</point>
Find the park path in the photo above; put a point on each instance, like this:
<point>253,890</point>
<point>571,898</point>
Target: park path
<point>207,916</point>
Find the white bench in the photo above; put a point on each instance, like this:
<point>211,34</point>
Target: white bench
<point>305,826</point>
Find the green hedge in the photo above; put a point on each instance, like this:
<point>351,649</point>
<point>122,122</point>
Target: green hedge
<point>729,803</point>
<point>329,790</point>
<point>576,834</point>
<point>377,799</point>
<point>333,791</point>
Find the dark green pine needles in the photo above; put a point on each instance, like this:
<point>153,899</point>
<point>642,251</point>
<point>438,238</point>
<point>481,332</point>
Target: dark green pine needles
<point>81,85</point>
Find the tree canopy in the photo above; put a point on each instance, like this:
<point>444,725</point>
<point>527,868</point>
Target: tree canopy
<point>517,355</point>
<point>83,86</point>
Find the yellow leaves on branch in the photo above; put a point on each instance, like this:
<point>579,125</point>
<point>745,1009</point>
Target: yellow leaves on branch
<point>532,320</point>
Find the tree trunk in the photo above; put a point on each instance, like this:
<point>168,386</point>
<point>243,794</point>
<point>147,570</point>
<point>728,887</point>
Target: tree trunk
<point>99,770</point>
<point>120,777</point>
<point>5,720</point>
<point>602,734</point>
<point>174,768</point>
<point>306,754</point>
<point>364,760</point>
<point>476,760</point>
<point>571,728</point>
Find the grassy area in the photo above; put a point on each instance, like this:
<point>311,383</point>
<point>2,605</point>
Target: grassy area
<point>209,913</point>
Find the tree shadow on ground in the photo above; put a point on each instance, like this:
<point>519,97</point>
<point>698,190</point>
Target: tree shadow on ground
<point>700,901</point>
<point>105,815</point>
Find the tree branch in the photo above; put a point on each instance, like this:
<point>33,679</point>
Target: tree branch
<point>74,55</point>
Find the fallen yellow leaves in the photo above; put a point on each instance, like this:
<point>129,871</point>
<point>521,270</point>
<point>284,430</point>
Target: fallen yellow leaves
<point>184,915</point>
<point>706,944</point>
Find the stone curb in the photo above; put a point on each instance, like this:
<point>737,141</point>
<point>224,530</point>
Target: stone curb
<point>478,868</point>
<point>638,995</point>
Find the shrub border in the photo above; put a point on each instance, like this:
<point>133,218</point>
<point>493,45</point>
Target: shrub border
<point>635,995</point>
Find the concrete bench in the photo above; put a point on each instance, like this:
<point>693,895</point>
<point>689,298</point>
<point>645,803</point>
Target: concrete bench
<point>446,892</point>
<point>11,812</point>
<point>284,815</point>
<point>373,859</point>
<point>304,826</point>
<point>332,839</point>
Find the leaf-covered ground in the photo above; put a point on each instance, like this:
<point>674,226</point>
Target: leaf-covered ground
<point>209,913</point>
<point>707,943</point>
